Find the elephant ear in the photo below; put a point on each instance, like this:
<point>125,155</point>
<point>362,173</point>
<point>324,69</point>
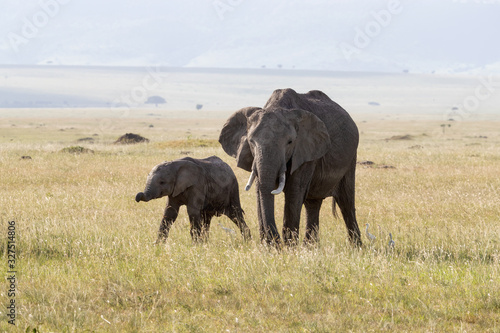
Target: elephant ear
<point>233,137</point>
<point>188,174</point>
<point>312,140</point>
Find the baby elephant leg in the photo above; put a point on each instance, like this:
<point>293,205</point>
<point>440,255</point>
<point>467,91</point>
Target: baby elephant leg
<point>236,215</point>
<point>168,219</point>
<point>207,218</point>
<point>197,222</point>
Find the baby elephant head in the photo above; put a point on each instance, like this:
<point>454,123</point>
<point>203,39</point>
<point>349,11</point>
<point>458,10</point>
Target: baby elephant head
<point>168,179</point>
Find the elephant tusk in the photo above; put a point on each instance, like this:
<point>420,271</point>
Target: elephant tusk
<point>281,185</point>
<point>250,181</point>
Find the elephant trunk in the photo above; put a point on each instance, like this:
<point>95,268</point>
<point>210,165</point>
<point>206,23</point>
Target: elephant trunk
<point>268,171</point>
<point>141,197</point>
<point>151,191</point>
<point>278,190</point>
<point>281,180</point>
<point>267,224</point>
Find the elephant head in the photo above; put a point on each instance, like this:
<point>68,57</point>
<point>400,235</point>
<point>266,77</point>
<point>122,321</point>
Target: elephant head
<point>271,144</point>
<point>169,179</point>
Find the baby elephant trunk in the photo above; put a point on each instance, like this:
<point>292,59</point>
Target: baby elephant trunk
<point>140,197</point>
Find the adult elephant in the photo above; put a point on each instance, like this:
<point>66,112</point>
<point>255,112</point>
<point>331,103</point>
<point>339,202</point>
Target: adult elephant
<point>304,145</point>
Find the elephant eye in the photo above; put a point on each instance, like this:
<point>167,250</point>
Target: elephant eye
<point>290,142</point>
<point>162,182</point>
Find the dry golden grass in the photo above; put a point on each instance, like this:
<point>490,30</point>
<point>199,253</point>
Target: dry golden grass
<point>86,259</point>
<point>187,143</point>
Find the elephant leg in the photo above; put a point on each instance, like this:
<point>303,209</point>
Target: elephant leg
<point>236,215</point>
<point>291,219</point>
<point>345,199</point>
<point>313,207</point>
<point>196,221</point>
<point>169,216</point>
<point>295,194</point>
<point>205,228</point>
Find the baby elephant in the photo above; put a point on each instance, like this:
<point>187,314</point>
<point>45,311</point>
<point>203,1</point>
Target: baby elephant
<point>208,187</point>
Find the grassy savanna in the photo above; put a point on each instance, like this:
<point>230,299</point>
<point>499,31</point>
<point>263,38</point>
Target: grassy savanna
<point>86,259</point>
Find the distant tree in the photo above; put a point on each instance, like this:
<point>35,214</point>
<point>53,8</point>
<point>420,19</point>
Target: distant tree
<point>444,126</point>
<point>199,106</point>
<point>156,100</point>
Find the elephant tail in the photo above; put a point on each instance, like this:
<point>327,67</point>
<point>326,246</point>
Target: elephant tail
<point>334,208</point>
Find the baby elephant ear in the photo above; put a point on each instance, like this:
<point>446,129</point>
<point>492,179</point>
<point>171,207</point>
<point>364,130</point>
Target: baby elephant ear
<point>233,137</point>
<point>188,174</point>
<point>312,140</point>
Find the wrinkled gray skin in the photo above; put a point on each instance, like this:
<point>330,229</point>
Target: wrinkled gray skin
<point>309,143</point>
<point>208,187</point>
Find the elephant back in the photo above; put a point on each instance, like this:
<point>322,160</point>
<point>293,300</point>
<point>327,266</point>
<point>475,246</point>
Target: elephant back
<point>336,119</point>
<point>315,101</point>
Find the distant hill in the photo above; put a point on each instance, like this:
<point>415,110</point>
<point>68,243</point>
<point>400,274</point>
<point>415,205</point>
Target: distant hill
<point>451,36</point>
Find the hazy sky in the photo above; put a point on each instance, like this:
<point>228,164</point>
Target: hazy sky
<point>422,36</point>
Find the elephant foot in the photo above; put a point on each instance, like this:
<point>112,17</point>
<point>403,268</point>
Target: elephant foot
<point>356,242</point>
<point>292,242</point>
<point>290,238</point>
<point>275,243</point>
<point>199,238</point>
<point>160,240</point>
<point>246,235</point>
<point>311,242</point>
